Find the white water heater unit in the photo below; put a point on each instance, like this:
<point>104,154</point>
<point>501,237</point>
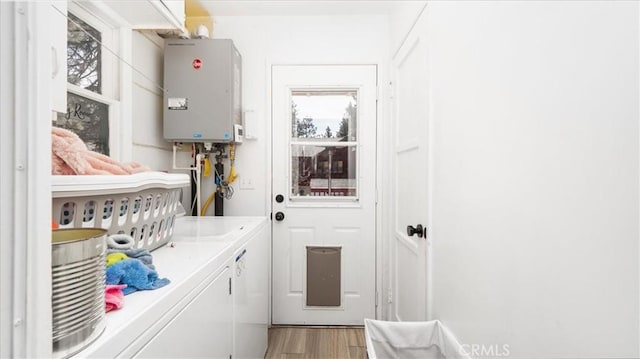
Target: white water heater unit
<point>202,90</point>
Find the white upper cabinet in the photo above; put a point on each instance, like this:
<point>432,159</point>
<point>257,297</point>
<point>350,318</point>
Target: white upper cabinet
<point>58,39</point>
<point>150,14</point>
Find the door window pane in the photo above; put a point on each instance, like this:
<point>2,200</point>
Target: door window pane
<point>323,171</point>
<point>329,115</point>
<point>84,55</point>
<point>88,119</point>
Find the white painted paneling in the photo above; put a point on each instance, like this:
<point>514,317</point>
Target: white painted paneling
<point>267,40</point>
<point>535,209</point>
<point>147,91</point>
<point>147,118</point>
<point>149,146</point>
<point>148,51</point>
<point>156,159</point>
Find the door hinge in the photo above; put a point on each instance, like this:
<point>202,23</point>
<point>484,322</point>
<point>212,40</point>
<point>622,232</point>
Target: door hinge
<point>229,285</point>
<point>377,295</point>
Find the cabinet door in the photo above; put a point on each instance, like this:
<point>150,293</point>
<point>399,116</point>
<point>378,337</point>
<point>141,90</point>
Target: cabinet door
<point>58,33</point>
<point>251,297</point>
<point>203,329</point>
<point>150,14</point>
<point>176,10</point>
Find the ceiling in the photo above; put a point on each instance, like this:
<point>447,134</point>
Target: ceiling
<point>298,7</point>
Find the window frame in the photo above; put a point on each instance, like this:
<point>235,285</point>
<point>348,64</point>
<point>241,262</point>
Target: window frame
<point>113,74</point>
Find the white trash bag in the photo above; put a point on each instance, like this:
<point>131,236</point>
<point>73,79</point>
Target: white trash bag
<point>411,340</point>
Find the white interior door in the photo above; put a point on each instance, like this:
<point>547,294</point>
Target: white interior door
<point>411,179</point>
<point>324,139</point>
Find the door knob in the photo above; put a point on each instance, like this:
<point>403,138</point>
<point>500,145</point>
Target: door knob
<point>411,230</point>
<point>279,216</point>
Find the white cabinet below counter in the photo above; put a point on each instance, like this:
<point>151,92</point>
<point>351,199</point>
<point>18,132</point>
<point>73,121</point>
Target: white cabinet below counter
<point>202,329</point>
<point>218,296</point>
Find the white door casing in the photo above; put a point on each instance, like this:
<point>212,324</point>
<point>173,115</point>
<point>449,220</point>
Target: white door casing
<point>344,222</point>
<point>410,176</point>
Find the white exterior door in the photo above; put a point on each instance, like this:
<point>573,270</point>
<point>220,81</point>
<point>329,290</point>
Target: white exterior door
<point>409,253</point>
<point>324,146</point>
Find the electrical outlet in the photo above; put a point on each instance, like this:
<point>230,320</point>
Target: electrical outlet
<point>246,183</point>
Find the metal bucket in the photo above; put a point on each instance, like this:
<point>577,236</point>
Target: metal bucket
<point>78,284</point>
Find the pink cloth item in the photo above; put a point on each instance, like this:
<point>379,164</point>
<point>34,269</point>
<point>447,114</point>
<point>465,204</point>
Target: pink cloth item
<point>70,156</point>
<point>113,297</point>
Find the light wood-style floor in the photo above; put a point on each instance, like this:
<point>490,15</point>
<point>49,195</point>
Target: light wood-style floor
<point>321,343</point>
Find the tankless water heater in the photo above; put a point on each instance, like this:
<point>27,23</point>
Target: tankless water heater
<point>202,87</point>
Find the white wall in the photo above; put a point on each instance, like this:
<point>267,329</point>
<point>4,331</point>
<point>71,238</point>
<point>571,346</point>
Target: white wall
<point>402,17</point>
<point>267,40</point>
<point>535,208</point>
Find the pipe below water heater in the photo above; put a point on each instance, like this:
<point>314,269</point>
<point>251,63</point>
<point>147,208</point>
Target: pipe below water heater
<point>218,203</point>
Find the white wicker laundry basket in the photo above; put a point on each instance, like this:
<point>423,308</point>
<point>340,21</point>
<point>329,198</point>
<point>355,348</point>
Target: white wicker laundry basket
<point>143,205</point>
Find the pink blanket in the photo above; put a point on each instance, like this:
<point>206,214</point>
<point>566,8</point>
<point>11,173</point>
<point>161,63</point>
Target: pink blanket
<point>113,297</point>
<point>70,156</point>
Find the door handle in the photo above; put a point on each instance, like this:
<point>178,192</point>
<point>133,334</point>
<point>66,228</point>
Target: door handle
<point>279,216</point>
<point>411,230</point>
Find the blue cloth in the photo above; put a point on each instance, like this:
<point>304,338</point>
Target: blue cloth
<point>142,254</point>
<point>135,274</point>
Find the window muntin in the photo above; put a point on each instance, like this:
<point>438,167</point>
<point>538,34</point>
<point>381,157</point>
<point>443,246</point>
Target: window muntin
<point>323,144</point>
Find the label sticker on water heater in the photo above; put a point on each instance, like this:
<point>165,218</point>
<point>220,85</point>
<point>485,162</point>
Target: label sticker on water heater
<point>177,103</point>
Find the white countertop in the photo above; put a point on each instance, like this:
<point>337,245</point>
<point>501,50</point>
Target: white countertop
<point>200,246</point>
